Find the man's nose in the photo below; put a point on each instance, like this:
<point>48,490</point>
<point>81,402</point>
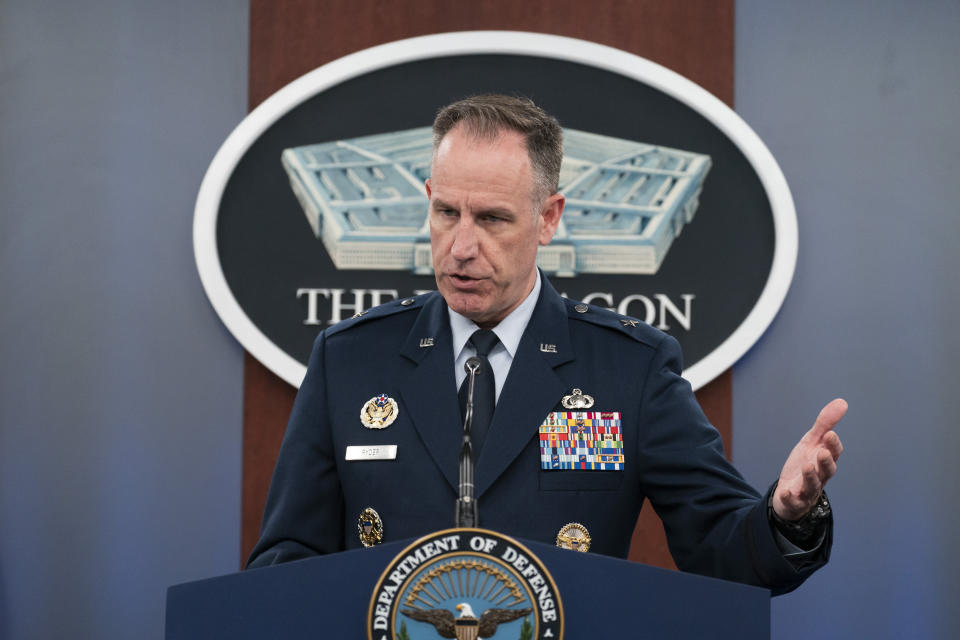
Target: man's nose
<point>465,242</point>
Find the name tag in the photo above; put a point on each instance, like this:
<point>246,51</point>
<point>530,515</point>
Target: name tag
<point>371,452</point>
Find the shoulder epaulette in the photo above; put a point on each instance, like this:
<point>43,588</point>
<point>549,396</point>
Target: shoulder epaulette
<point>380,311</point>
<point>633,327</point>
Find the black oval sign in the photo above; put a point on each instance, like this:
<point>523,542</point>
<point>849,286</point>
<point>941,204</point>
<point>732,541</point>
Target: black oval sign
<point>676,215</point>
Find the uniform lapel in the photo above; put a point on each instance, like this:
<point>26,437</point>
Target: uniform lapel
<point>532,388</point>
<point>430,393</point>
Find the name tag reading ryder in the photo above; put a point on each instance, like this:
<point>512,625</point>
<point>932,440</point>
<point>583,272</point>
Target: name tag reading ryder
<point>371,452</point>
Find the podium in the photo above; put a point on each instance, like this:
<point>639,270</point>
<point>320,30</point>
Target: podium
<point>328,597</point>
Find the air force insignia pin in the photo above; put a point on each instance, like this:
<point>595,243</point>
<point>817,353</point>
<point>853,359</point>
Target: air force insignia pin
<point>379,412</point>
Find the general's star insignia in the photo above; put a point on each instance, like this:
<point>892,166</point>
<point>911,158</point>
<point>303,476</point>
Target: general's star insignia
<point>379,412</point>
<point>629,322</point>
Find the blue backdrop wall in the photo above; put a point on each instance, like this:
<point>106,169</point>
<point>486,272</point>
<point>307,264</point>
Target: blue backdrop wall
<point>120,391</point>
<point>858,102</point>
<point>120,396</point>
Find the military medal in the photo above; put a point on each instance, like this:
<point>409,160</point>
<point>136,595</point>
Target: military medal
<point>379,412</point>
<point>574,536</point>
<point>370,527</point>
<point>581,440</point>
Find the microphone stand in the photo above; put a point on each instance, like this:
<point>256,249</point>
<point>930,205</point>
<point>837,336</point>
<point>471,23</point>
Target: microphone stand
<point>466,511</point>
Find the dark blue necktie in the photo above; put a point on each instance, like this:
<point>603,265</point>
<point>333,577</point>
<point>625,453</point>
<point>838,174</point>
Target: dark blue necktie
<point>484,389</point>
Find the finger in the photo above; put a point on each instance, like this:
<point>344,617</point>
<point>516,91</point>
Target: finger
<point>829,416</point>
<point>811,485</point>
<point>826,466</point>
<point>832,442</point>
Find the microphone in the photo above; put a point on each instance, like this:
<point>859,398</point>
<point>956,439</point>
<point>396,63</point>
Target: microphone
<point>466,511</point>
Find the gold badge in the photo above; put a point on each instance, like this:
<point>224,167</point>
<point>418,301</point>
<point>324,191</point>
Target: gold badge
<point>370,527</point>
<point>574,536</point>
<point>577,400</point>
<point>379,412</point>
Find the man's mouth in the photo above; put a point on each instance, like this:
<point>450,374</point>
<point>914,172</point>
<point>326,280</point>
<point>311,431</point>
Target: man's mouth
<point>464,280</point>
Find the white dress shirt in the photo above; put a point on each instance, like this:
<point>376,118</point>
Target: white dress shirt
<point>509,331</point>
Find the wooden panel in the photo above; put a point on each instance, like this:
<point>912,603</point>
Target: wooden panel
<point>291,37</point>
<point>267,401</point>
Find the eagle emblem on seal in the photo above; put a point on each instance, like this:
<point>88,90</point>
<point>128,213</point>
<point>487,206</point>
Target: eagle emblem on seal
<point>468,626</point>
<point>379,412</point>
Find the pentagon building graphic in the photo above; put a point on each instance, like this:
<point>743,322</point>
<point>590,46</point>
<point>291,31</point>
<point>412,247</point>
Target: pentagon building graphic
<point>626,201</point>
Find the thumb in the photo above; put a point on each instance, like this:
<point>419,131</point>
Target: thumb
<point>828,417</point>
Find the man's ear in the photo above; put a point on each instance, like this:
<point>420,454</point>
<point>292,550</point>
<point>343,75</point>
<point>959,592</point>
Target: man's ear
<point>550,218</point>
<point>426,183</point>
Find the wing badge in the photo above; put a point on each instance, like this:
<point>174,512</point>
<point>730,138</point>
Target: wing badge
<point>577,400</point>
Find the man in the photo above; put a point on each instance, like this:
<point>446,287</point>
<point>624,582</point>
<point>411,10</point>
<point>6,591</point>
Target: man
<point>391,378</point>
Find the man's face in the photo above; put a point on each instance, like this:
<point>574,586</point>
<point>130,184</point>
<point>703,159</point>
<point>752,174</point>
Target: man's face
<point>484,225</point>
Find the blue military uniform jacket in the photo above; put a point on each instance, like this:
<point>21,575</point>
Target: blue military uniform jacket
<point>716,523</point>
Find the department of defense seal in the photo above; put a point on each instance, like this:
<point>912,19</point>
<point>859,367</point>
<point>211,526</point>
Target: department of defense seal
<point>465,584</point>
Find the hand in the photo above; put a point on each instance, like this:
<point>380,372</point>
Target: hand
<point>811,463</point>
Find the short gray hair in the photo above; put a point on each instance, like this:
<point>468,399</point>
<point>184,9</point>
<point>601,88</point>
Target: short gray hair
<point>486,116</point>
